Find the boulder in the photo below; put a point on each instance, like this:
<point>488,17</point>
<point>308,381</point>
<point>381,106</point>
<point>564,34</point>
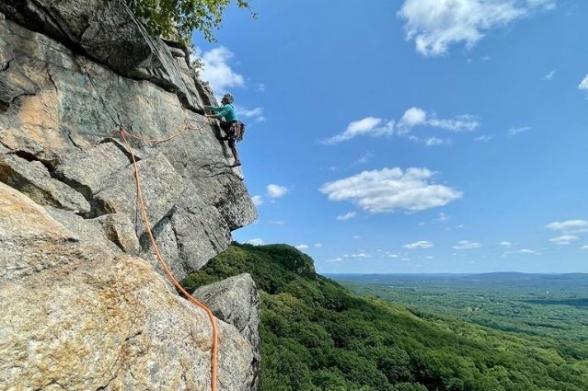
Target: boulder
<point>235,300</point>
<point>82,317</point>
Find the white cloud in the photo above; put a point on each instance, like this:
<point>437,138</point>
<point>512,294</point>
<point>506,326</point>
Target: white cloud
<point>506,244</point>
<point>412,117</point>
<point>484,138</point>
<point>584,84</point>
<point>338,259</point>
<point>584,247</point>
<point>346,216</point>
<point>359,254</point>
<point>257,200</point>
<point>418,245</point>
<point>519,130</point>
<point>302,247</point>
<point>364,159</point>
<point>368,126</point>
<point>276,222</point>
<point>391,255</point>
<point>461,123</point>
<point>525,251</point>
<point>318,245</point>
<point>356,237</point>
<point>442,217</point>
<point>466,245</point>
<point>389,189</point>
<point>255,114</point>
<point>564,240</point>
<point>217,71</point>
<point>435,25</point>
<point>550,75</point>
<point>569,226</point>
<point>276,191</point>
<point>415,116</point>
<point>256,242</point>
<point>430,141</point>
<point>436,141</point>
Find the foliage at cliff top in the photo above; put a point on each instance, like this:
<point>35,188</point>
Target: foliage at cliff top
<point>169,18</point>
<point>316,335</point>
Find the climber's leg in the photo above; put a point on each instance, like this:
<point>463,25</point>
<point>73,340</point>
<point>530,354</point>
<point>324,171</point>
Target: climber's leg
<point>235,153</point>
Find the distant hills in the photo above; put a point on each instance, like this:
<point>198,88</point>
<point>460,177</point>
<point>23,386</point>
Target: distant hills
<point>317,335</point>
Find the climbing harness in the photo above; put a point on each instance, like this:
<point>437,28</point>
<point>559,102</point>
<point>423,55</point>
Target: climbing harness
<point>123,134</point>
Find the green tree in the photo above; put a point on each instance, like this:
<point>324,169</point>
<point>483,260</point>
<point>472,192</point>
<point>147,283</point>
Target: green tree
<point>170,18</point>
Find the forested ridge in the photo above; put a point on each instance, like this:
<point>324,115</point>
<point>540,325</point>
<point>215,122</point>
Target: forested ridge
<point>317,335</point>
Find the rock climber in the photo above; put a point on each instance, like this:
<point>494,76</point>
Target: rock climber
<point>229,123</point>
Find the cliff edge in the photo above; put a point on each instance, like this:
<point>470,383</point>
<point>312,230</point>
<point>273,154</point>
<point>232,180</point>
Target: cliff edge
<point>85,305</point>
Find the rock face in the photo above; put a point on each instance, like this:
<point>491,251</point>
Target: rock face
<point>84,304</point>
<point>237,302</point>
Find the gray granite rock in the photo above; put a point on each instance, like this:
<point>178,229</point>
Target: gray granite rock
<point>73,72</point>
<point>108,32</point>
<point>87,318</point>
<point>235,300</point>
<point>35,180</point>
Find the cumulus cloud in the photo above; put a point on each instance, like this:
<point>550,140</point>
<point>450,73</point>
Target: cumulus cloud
<point>506,244</point>
<point>435,141</point>
<point>217,71</point>
<point>518,130</point>
<point>276,191</point>
<point>346,216</point>
<point>255,114</point>
<point>418,245</point>
<point>412,117</point>
<point>435,25</point>
<point>523,251</point>
<point>484,138</point>
<point>256,242</point>
<point>302,247</point>
<point>358,254</point>
<point>569,226</point>
<point>257,200</point>
<point>415,116</point>
<point>466,245</point>
<point>389,189</point>
<point>368,126</point>
<point>564,240</point>
<point>584,84</point>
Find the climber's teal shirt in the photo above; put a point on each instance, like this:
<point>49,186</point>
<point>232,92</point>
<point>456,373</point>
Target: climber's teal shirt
<point>226,112</point>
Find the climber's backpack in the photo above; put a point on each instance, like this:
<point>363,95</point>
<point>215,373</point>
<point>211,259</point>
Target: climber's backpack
<point>237,130</point>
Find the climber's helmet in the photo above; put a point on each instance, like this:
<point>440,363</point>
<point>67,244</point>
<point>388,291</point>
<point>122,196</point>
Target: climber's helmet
<point>228,99</point>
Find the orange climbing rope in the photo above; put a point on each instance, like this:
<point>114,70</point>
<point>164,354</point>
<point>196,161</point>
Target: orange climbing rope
<point>167,270</point>
<point>155,141</point>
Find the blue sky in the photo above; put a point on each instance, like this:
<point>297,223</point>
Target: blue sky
<point>413,136</point>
